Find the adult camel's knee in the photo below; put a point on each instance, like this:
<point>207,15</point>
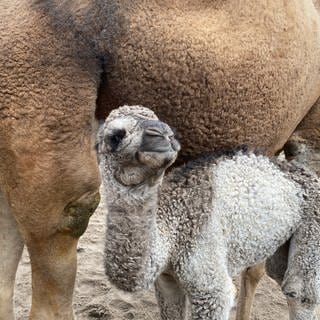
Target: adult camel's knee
<point>77,213</point>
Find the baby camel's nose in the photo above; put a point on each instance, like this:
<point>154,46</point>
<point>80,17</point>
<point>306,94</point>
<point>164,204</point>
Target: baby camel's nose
<point>158,137</point>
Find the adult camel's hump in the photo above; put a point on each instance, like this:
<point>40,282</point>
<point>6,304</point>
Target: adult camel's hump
<point>222,72</point>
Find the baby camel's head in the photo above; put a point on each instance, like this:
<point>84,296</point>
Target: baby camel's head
<point>136,145</point>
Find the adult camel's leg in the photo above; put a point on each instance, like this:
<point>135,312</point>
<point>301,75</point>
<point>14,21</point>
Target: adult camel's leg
<point>57,203</point>
<point>53,262</point>
<point>53,258</point>
<point>48,167</point>
<point>11,246</point>
<point>249,282</point>
<point>171,298</point>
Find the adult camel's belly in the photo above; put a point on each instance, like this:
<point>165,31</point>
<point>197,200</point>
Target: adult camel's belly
<point>220,78</point>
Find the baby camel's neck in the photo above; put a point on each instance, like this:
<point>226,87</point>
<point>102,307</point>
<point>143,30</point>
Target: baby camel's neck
<point>134,251</point>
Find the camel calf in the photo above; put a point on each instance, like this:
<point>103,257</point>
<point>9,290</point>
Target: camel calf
<point>191,230</point>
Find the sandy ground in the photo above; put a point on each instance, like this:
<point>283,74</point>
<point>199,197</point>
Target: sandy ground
<point>95,298</point>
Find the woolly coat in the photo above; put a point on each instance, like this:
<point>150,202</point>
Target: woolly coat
<point>214,217</point>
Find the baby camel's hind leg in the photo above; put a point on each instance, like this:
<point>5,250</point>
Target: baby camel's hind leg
<point>249,282</point>
<point>301,283</point>
<point>171,298</point>
<point>11,246</point>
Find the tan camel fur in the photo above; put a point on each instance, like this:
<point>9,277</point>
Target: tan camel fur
<point>304,143</point>
<point>221,72</point>
<point>48,172</point>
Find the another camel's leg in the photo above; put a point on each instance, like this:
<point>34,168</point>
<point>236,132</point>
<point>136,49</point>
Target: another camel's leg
<point>304,144</point>
<point>11,246</point>
<point>171,298</point>
<point>52,209</point>
<point>249,281</point>
<point>53,262</point>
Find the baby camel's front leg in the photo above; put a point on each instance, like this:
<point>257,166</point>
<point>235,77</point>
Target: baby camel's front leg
<point>210,304</point>
<point>209,289</point>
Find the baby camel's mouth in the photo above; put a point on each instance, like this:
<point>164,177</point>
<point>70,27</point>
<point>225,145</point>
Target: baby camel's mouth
<point>160,145</point>
<point>155,159</point>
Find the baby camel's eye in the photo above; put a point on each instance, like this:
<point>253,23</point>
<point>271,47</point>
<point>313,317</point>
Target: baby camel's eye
<point>115,138</point>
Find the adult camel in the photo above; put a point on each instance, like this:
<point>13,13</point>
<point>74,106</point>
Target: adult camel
<point>222,72</point>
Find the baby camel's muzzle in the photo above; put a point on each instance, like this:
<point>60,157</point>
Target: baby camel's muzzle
<point>158,137</point>
<point>159,146</point>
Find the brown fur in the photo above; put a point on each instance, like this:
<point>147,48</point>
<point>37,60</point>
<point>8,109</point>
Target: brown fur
<point>234,71</point>
<point>222,72</point>
<point>308,131</point>
<point>48,88</point>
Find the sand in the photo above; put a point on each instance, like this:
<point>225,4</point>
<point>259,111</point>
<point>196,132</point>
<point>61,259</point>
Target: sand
<point>96,298</point>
